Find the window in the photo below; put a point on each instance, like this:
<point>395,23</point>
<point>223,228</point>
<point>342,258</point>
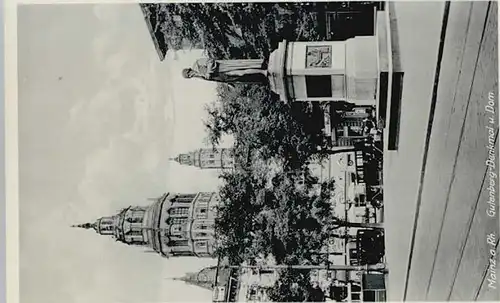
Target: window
<point>203,278</point>
<point>319,86</point>
<point>176,221</point>
<point>203,200</point>
<point>186,196</point>
<point>201,244</point>
<point>211,161</point>
<point>178,243</point>
<point>183,211</point>
<point>134,220</point>
<point>201,235</point>
<point>201,213</point>
<point>212,156</point>
<point>175,229</point>
<point>134,233</point>
<point>183,200</point>
<point>206,195</point>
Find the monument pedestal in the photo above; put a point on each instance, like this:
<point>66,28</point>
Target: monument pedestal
<point>326,71</point>
<point>364,71</point>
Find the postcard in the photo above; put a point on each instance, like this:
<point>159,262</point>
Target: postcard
<point>252,151</point>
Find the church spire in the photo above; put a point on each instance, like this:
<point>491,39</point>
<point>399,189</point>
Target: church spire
<point>84,226</point>
<point>207,158</point>
<point>205,278</point>
<point>176,278</point>
<point>195,279</point>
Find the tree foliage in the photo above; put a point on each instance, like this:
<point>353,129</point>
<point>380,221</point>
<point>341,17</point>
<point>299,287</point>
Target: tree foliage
<point>284,218</point>
<point>258,121</point>
<point>237,30</point>
<point>292,286</point>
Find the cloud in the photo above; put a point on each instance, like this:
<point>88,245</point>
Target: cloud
<point>132,164</point>
<point>106,12</point>
<point>126,171</point>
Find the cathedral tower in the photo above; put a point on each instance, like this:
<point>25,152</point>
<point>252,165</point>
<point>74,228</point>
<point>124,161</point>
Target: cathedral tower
<point>208,158</point>
<point>127,226</point>
<point>204,278</point>
<point>174,225</point>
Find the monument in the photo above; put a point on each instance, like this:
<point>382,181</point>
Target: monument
<point>228,71</point>
<point>305,71</point>
<point>325,71</point>
<point>364,71</point>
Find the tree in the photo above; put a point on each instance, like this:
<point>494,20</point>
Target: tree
<point>292,286</point>
<point>259,122</point>
<point>235,212</point>
<point>278,216</point>
<point>235,30</point>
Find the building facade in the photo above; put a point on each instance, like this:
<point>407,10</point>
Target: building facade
<point>348,127</point>
<point>174,225</point>
<point>208,158</point>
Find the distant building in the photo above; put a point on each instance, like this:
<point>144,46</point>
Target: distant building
<point>174,225</point>
<point>208,158</point>
<point>243,284</point>
<point>205,278</point>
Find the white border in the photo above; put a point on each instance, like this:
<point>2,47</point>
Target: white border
<point>11,153</point>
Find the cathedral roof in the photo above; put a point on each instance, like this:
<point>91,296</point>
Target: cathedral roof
<point>86,225</point>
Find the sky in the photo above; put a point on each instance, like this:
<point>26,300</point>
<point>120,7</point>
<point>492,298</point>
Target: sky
<point>99,117</point>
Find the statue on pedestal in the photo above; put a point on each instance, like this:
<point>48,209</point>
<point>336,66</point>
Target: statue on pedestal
<point>229,71</point>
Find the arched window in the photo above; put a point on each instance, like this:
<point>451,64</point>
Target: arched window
<point>200,244</point>
<point>202,226</point>
<point>199,235</point>
<point>206,195</point>
<point>178,243</point>
<point>134,220</point>
<point>201,213</point>
<point>175,229</point>
<point>134,232</point>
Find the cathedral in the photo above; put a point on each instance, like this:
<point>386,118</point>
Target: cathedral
<point>208,158</point>
<point>174,225</point>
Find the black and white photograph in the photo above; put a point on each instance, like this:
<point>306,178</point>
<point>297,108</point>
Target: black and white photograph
<point>254,151</point>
